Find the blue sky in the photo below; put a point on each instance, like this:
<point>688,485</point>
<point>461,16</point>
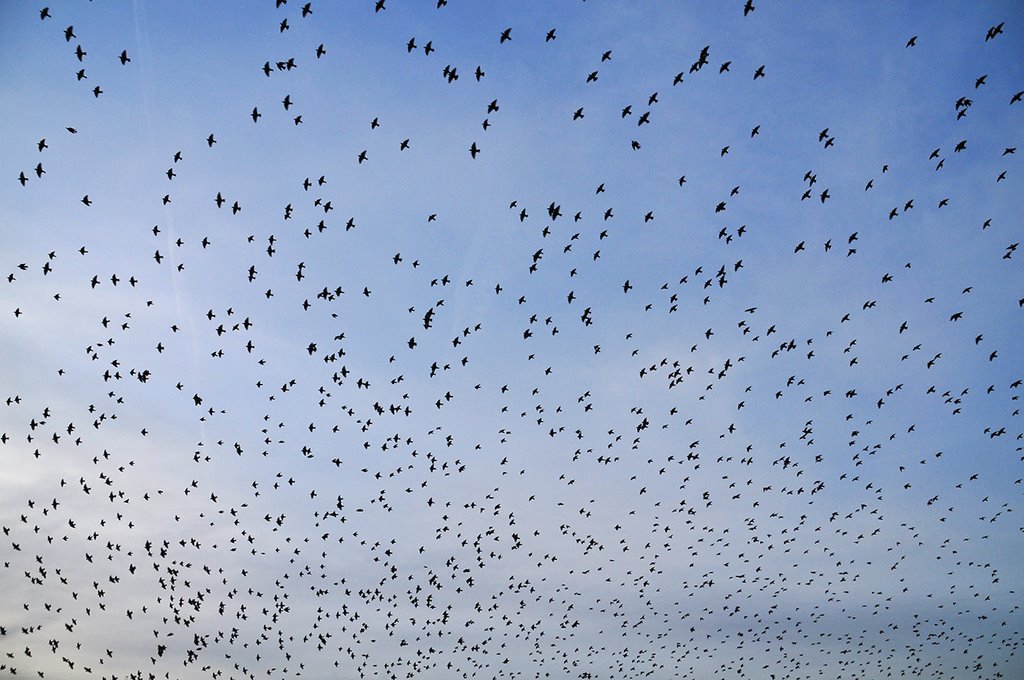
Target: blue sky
<point>547,411</point>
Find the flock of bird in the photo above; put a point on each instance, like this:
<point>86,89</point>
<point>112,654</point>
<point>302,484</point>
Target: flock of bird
<point>626,424</point>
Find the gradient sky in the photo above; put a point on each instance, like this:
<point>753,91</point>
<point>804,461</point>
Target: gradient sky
<point>687,373</point>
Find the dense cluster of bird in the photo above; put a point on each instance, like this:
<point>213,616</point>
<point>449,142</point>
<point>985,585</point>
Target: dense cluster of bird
<point>319,419</point>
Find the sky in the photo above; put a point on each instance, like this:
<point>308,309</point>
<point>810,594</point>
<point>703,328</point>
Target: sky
<point>597,340</point>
